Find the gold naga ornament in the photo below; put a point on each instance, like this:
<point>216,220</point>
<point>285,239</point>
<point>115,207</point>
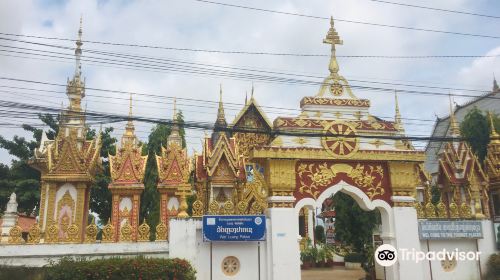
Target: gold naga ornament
<point>420,210</point>
<point>198,208</point>
<point>255,209</point>
<point>34,234</point>
<point>213,208</point>
<point>227,208</point>
<point>73,233</point>
<point>108,233</point>
<point>453,207</point>
<point>161,232</point>
<point>143,232</point>
<point>126,232</point>
<point>52,234</point>
<point>91,232</point>
<point>15,234</point>
<point>241,207</point>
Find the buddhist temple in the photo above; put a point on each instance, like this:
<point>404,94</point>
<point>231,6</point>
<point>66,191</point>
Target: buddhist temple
<point>219,170</point>
<point>174,173</point>
<point>460,180</point>
<point>68,165</point>
<point>127,174</point>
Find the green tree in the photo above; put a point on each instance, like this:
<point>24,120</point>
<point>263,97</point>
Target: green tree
<point>25,181</point>
<point>353,225</point>
<point>20,177</point>
<point>150,199</point>
<point>475,128</point>
<point>100,195</point>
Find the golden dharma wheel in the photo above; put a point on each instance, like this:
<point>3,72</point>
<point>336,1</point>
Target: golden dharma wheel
<point>343,143</point>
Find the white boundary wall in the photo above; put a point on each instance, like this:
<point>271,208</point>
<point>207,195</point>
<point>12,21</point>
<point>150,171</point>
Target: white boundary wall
<point>40,254</point>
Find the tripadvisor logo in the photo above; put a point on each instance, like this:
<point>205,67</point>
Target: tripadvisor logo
<point>386,255</point>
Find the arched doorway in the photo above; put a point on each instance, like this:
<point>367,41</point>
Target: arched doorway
<point>309,205</point>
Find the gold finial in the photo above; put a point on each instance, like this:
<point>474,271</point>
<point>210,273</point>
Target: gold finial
<point>251,94</point>
<point>246,97</point>
<point>130,107</point>
<point>221,118</point>
<point>174,118</point>
<point>174,136</point>
<point>397,117</point>
<point>333,38</point>
<point>455,131</point>
<point>78,50</point>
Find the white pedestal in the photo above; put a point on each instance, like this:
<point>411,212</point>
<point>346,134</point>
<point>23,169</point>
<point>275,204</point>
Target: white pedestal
<point>283,250</point>
<point>406,235</point>
<point>8,221</point>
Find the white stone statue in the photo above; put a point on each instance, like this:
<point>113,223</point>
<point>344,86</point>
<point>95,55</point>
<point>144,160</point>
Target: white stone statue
<point>10,216</point>
<point>12,204</point>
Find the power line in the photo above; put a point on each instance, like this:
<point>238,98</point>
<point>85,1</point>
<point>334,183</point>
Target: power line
<point>269,79</point>
<point>214,102</point>
<point>435,9</point>
<point>242,51</point>
<point>350,21</point>
<point>163,61</point>
<point>210,126</point>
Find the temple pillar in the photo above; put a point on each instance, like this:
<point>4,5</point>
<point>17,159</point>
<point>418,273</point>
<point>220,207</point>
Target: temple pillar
<point>282,239</point>
<point>115,215</point>
<point>163,206</point>
<point>134,216</point>
<point>406,237</point>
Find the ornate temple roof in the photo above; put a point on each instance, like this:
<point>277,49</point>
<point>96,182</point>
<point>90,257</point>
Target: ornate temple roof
<point>220,158</point>
<point>249,106</point>
<point>173,162</point>
<point>458,165</point>
<point>344,120</point>
<point>70,154</point>
<point>128,165</point>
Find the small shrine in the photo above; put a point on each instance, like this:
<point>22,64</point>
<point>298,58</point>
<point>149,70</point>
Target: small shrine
<point>461,181</point>
<point>174,173</point>
<point>68,165</point>
<point>219,170</point>
<point>127,174</point>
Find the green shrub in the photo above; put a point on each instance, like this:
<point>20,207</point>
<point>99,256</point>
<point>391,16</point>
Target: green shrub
<point>355,258</point>
<point>493,267</point>
<point>21,272</point>
<point>122,269</point>
<point>319,234</point>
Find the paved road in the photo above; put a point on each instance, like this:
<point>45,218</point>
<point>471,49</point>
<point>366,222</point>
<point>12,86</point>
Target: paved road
<point>337,273</point>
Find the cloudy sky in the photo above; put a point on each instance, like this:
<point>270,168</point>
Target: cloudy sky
<point>197,25</point>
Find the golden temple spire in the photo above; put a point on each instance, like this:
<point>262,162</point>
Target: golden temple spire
<point>78,51</point>
<point>251,93</point>
<point>494,137</point>
<point>333,38</point>
<point>398,124</point>
<point>221,118</point>
<point>174,117</point>
<point>454,129</point>
<point>129,134</point>
<point>174,136</point>
<point>246,97</point>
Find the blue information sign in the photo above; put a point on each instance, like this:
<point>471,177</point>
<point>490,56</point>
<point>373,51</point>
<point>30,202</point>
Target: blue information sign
<point>234,228</point>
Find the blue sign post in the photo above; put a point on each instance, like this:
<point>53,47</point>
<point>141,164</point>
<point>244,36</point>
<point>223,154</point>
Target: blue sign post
<point>234,228</point>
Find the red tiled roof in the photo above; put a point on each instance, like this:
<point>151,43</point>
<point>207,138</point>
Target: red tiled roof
<point>25,222</point>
